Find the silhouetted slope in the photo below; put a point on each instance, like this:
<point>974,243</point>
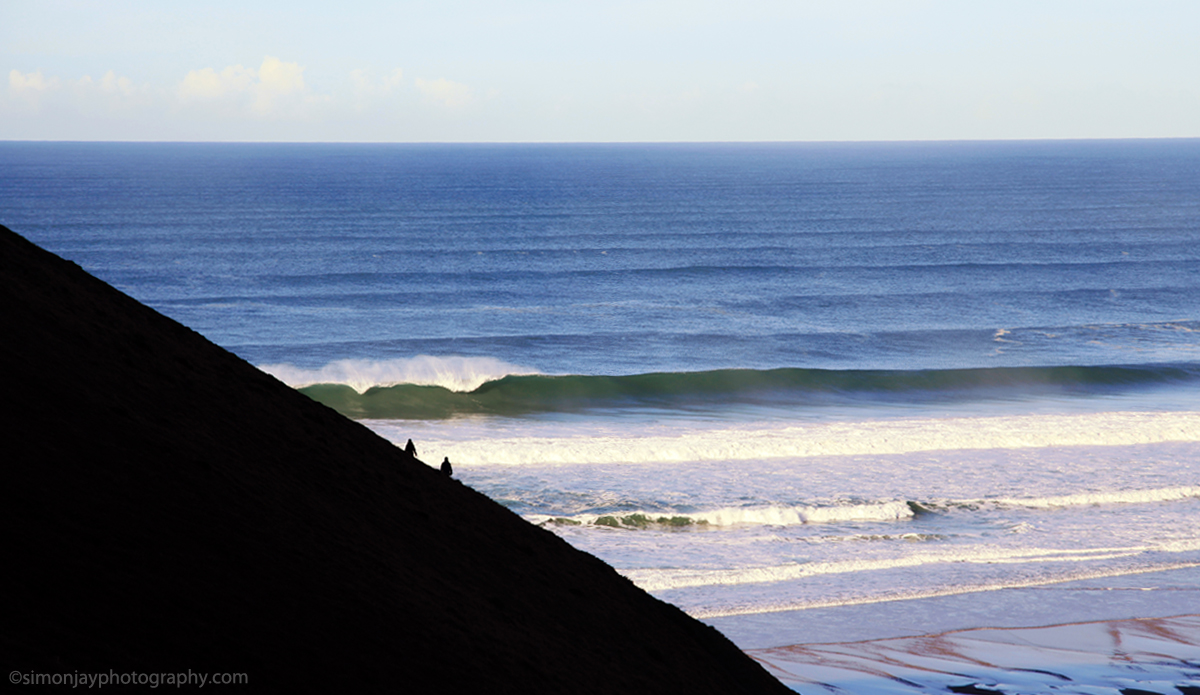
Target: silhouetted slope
<point>170,507</point>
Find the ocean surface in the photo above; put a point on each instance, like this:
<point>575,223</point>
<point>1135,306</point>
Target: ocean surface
<point>764,381</point>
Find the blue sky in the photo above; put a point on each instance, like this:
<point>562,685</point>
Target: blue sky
<point>604,71</point>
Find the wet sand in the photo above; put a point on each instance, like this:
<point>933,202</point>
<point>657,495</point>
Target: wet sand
<point>1090,636</point>
<point>1147,655</point>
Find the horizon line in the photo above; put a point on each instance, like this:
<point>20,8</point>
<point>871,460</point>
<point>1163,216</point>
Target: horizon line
<point>602,142</point>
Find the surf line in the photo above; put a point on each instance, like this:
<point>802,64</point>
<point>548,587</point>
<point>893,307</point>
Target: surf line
<point>729,611</point>
<point>849,438</point>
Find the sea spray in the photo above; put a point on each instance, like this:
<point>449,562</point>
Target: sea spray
<point>458,374</point>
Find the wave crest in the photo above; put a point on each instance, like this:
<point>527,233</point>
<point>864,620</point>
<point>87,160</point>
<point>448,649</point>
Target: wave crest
<point>457,374</point>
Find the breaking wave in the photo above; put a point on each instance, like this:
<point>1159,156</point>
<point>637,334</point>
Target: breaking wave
<point>742,516</point>
<point>425,388</point>
<point>853,512</point>
<point>454,374</point>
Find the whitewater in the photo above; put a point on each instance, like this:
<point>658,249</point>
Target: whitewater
<point>805,392</point>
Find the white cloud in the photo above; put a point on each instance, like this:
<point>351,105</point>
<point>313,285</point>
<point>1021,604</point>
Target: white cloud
<point>38,106</point>
<point>30,82</point>
<point>452,95</point>
<point>262,89</point>
<point>110,89</point>
<point>84,95</point>
<point>278,77</point>
<point>209,84</point>
<point>116,85</point>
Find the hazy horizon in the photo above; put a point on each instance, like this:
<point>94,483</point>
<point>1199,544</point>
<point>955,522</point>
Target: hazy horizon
<point>530,71</point>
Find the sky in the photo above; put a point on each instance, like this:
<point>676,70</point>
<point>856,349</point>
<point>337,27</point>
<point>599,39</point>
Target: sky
<point>600,71</point>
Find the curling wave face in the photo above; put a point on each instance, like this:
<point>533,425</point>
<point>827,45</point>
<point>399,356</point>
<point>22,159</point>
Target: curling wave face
<point>426,388</point>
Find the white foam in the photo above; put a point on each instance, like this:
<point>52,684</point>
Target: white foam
<point>876,437</point>
<point>765,516</point>
<point>453,373</point>
<point>667,579</point>
<point>782,516</point>
<point>912,594</point>
<point>889,511</point>
<point>1171,494</point>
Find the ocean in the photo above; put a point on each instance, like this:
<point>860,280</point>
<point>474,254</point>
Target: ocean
<point>800,390</point>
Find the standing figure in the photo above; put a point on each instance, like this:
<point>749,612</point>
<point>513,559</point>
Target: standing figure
<point>446,469</point>
<point>410,449</point>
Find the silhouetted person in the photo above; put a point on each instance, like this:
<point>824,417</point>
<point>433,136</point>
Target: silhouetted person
<point>446,469</point>
<point>410,449</point>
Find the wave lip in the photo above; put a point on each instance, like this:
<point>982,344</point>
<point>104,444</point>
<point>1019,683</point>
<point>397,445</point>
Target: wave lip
<point>455,374</point>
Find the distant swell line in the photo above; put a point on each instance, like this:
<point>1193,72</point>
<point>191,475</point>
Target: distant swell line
<point>516,395</point>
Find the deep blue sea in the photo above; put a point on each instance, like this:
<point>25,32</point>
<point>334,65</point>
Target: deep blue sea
<point>761,380</point>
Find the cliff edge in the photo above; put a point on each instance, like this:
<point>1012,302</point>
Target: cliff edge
<point>169,508</point>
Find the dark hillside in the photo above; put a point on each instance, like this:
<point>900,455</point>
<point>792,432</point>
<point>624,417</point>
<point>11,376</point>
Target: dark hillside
<point>169,507</point>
